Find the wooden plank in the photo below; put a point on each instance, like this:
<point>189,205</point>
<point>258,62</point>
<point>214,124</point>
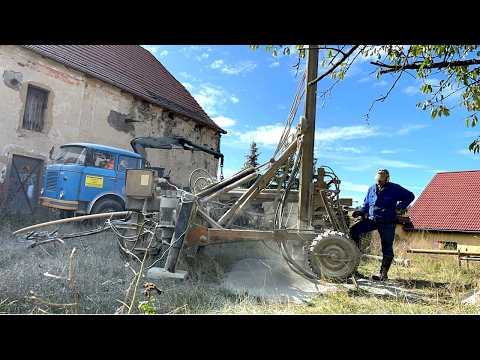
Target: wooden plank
<point>441,252</point>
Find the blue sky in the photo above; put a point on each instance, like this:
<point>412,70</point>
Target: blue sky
<point>249,94</point>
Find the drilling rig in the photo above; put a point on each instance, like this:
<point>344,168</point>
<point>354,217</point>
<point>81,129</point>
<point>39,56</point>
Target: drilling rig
<point>161,220</point>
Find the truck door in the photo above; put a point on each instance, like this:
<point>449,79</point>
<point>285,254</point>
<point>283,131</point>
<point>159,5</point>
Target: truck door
<point>99,175</point>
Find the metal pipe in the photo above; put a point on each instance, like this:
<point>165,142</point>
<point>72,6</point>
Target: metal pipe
<point>74,219</point>
<point>402,262</point>
<point>230,187</point>
<point>210,190</point>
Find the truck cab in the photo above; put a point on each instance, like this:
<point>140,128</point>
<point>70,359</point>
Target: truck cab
<point>88,178</point>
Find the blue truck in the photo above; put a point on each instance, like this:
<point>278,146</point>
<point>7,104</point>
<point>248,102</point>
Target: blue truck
<point>89,178</point>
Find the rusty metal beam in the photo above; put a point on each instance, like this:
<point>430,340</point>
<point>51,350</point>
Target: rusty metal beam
<point>207,236</point>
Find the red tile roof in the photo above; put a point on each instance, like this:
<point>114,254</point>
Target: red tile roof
<point>133,69</point>
<point>451,201</point>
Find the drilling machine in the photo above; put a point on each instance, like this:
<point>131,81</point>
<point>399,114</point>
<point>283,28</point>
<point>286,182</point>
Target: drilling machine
<point>162,220</point>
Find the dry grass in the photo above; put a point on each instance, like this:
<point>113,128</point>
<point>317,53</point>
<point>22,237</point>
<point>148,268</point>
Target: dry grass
<point>101,280</point>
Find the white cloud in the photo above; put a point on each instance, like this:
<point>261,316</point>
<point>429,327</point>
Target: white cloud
<point>187,76</point>
<point>366,79</point>
<point>188,85</point>
<point>396,164</point>
<point>216,64</point>
<point>380,83</point>
<point>152,48</point>
<point>406,129</point>
<point>388,152</point>
<point>465,152</point>
<point>267,135</point>
<point>345,133</point>
<point>274,64</point>
<point>348,186</point>
<point>415,89</point>
<point>349,149</point>
<point>212,98</point>
<point>202,56</point>
<point>194,50</point>
<point>235,69</point>
<point>224,121</point>
<point>344,149</point>
<point>164,53</point>
<point>411,90</point>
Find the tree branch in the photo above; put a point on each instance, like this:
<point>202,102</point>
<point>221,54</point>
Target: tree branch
<point>331,48</point>
<point>383,97</point>
<point>337,64</point>
<point>438,65</point>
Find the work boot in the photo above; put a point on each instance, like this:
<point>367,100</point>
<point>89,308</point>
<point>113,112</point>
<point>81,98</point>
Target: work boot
<point>386,262</point>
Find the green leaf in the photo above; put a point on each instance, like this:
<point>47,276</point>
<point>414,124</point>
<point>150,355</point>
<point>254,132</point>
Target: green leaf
<point>434,113</point>
<point>475,146</point>
<point>426,88</point>
<point>474,120</point>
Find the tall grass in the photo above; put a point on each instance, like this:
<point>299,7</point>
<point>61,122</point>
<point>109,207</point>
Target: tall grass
<point>102,277</point>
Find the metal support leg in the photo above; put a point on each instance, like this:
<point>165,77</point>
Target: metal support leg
<point>181,228</point>
<point>176,244</point>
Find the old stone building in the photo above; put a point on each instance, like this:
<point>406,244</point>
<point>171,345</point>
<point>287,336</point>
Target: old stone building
<point>107,94</point>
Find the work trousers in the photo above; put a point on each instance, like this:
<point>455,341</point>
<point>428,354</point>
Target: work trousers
<point>386,231</point>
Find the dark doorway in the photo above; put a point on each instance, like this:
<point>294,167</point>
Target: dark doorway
<point>24,184</point>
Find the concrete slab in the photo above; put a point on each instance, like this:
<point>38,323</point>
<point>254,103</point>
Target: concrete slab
<point>156,273</point>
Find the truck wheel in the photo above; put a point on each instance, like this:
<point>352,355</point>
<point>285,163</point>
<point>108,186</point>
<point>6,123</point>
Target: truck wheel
<point>107,205</point>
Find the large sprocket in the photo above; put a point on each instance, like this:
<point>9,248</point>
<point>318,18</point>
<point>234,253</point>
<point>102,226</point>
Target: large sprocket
<point>333,255</point>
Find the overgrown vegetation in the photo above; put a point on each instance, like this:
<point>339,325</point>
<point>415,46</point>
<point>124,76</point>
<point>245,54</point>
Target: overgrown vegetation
<point>101,277</point>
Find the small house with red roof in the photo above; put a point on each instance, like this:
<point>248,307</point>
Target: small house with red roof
<point>448,211</point>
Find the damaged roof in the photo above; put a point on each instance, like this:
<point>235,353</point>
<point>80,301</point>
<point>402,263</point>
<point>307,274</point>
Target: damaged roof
<point>133,69</point>
<point>450,202</point>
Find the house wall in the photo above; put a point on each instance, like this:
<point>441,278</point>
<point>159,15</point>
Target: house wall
<point>84,109</point>
<point>431,239</point>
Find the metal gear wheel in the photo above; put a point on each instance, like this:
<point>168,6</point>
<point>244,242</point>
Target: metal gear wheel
<point>333,255</point>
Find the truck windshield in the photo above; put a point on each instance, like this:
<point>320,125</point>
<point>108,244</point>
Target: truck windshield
<point>71,155</point>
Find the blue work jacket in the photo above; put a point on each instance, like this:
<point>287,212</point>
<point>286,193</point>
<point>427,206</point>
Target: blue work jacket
<point>381,205</point>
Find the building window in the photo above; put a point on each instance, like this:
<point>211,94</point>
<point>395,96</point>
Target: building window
<point>35,105</point>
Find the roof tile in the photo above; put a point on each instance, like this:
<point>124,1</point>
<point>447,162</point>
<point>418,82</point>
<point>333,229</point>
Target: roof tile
<point>133,69</point>
<point>451,201</point>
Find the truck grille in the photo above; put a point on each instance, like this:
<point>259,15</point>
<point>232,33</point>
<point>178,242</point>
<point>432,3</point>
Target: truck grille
<point>52,177</point>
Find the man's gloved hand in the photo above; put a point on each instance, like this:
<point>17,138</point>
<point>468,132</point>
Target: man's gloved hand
<point>358,213</point>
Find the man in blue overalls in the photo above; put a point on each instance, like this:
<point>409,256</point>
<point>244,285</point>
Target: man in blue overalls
<point>384,201</point>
